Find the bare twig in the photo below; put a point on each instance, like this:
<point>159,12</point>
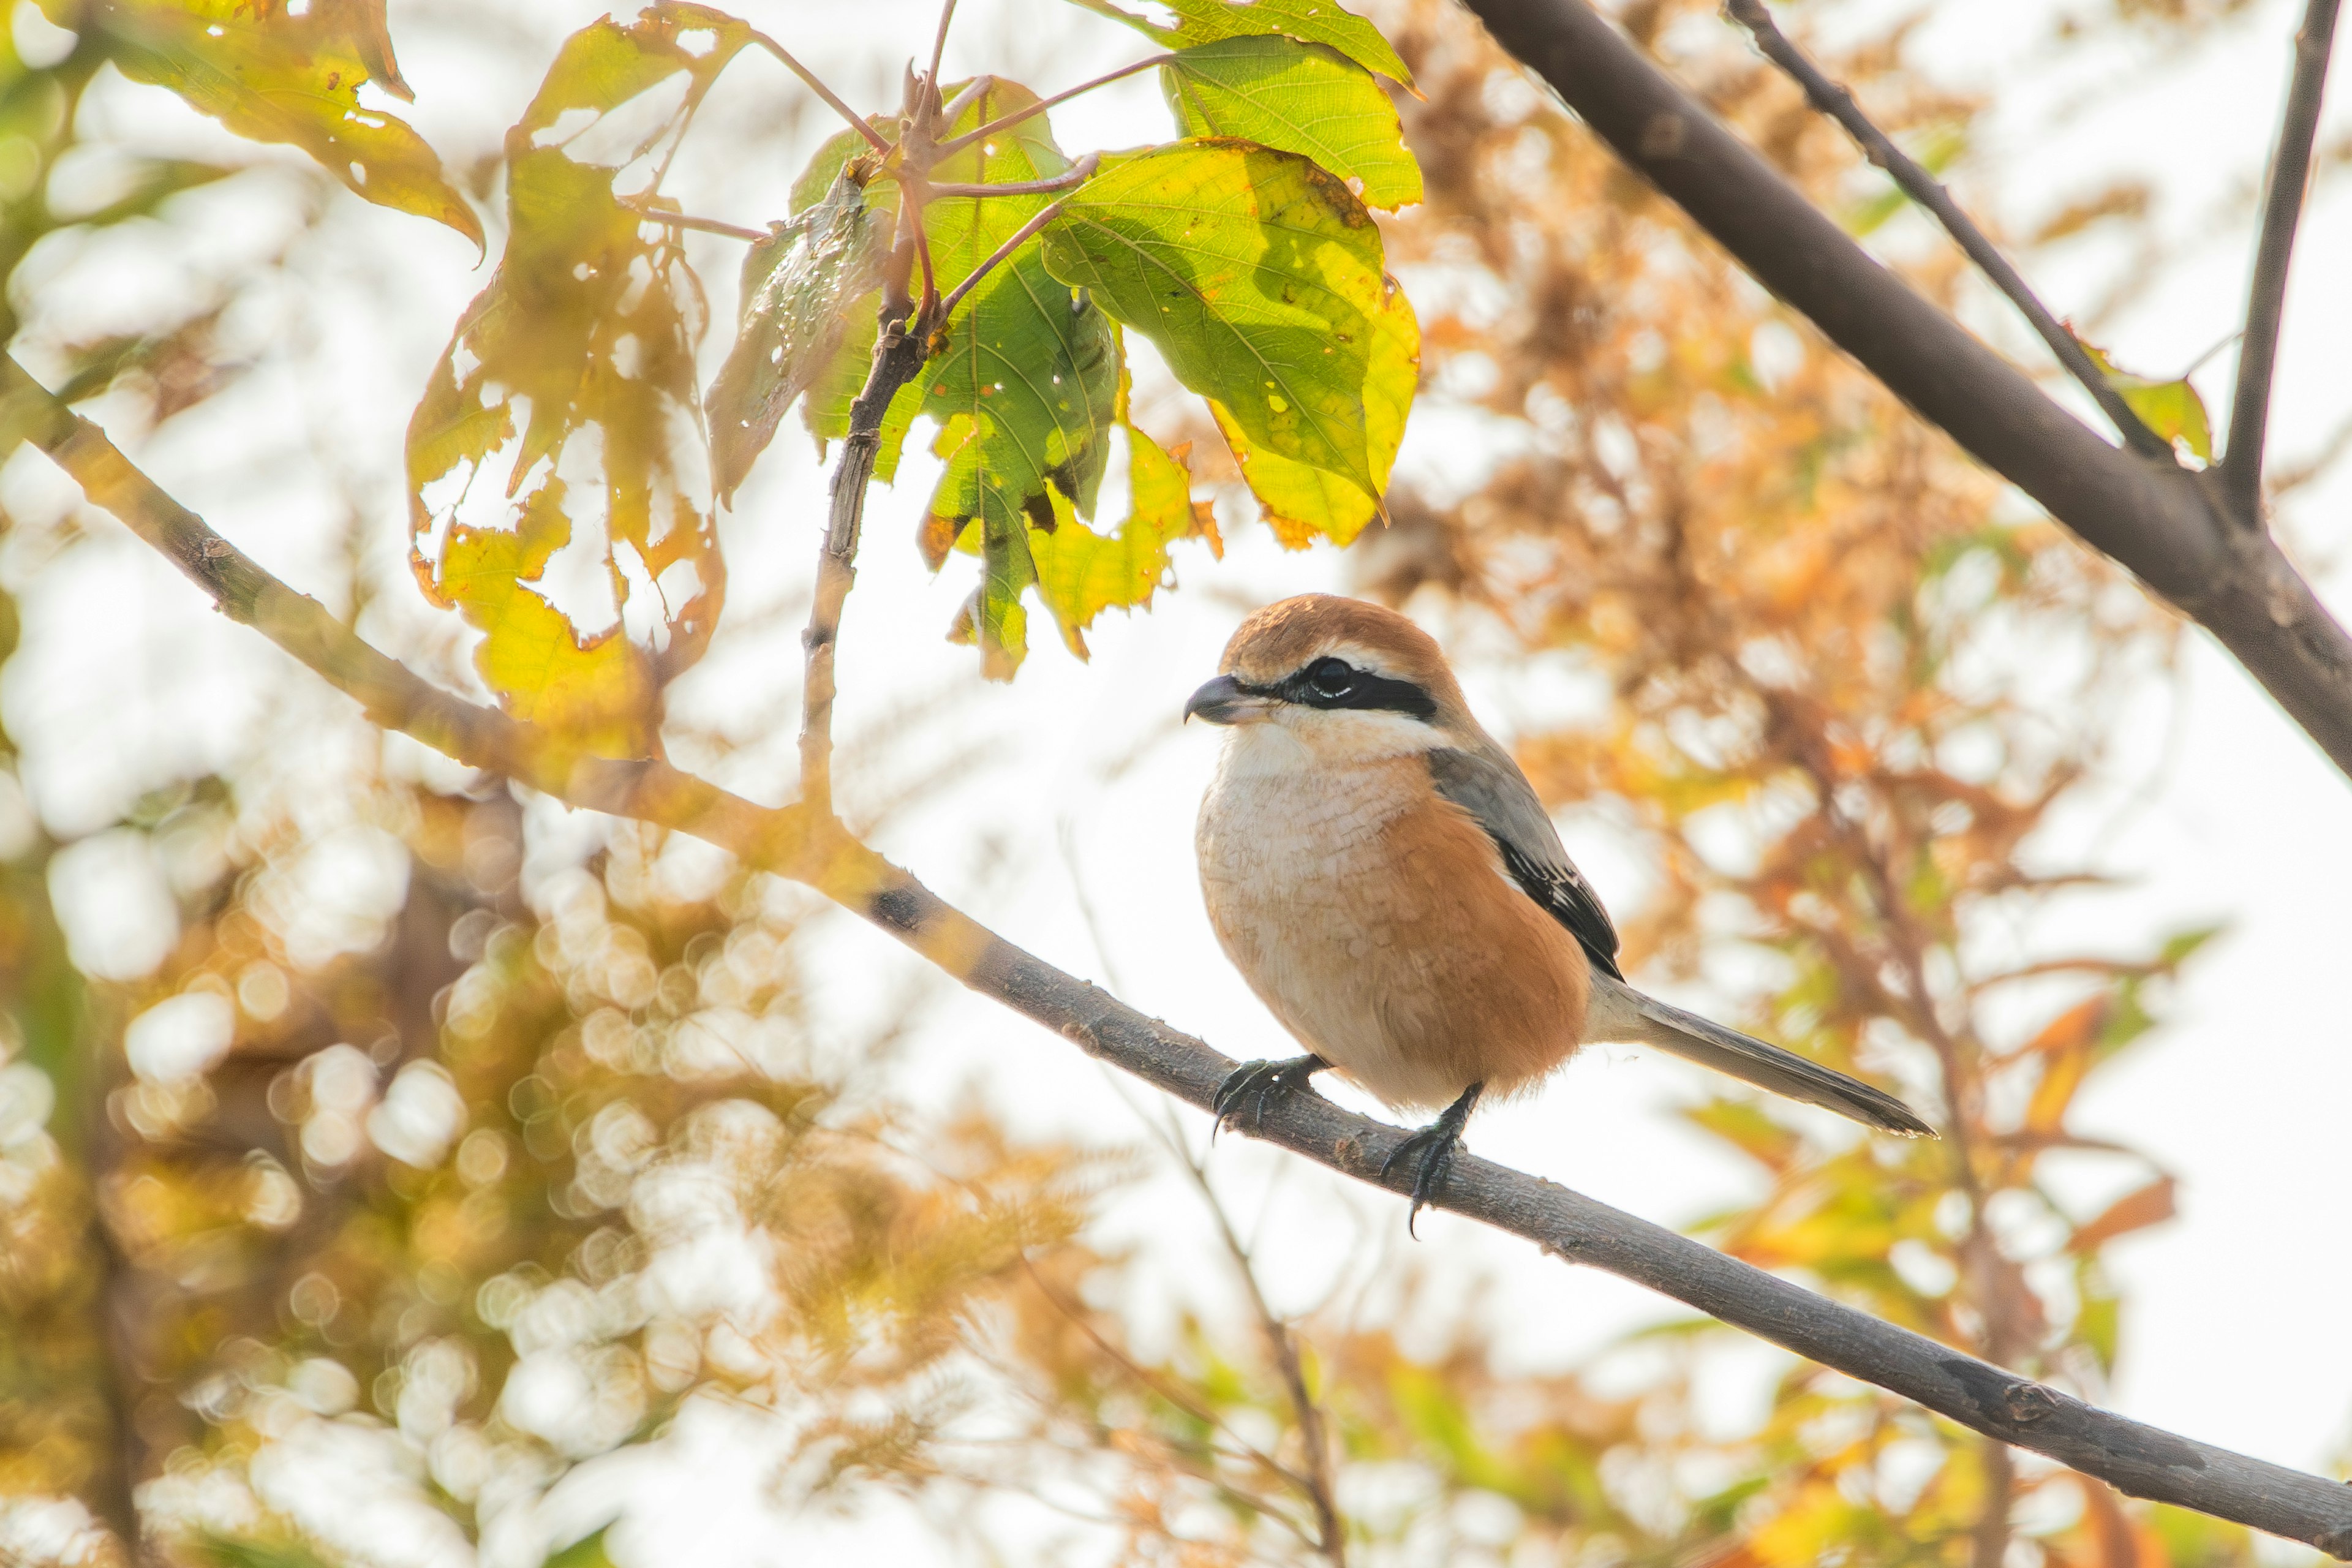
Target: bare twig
<point>1078,174</point>
<point>897,357</point>
<point>939,42</point>
<point>1006,121</point>
<point>874,138</point>
<point>1015,241</point>
<point>1319,1483</point>
<point>1835,100</point>
<point>811,846</point>
<point>2290,175</point>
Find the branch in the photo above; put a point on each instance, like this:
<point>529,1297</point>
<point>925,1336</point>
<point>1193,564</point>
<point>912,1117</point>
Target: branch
<point>874,138</point>
<point>2249,409</point>
<point>2160,521</point>
<point>1005,121</point>
<point>897,356</point>
<point>1836,100</point>
<point>809,846</point>
<point>1020,236</point>
<point>651,214</point>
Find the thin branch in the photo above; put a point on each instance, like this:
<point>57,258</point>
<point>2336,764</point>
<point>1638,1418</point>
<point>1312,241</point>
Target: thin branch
<point>811,847</point>
<point>874,138</point>
<point>1015,241</point>
<point>1836,101</point>
<point>1006,121</point>
<point>2249,409</point>
<point>1319,1483</point>
<point>639,206</point>
<point>939,42</point>
<point>898,355</point>
<point>1079,174</point>
<point>2159,519</point>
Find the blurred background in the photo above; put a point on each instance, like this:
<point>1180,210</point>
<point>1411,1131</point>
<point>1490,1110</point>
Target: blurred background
<point>395,1169</point>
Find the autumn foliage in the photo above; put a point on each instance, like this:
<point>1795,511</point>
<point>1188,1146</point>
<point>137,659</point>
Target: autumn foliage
<point>439,1190</point>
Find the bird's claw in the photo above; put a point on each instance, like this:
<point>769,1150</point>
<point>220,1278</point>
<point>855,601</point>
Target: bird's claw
<point>1436,1144</point>
<point>1249,1086</point>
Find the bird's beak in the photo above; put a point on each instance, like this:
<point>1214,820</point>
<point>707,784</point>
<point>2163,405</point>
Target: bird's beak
<point>1224,700</point>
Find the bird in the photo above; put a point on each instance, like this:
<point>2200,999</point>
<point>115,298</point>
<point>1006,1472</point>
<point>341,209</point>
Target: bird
<point>1387,881</point>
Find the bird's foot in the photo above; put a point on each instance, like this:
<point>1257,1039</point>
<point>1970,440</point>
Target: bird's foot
<point>1248,1086</point>
<point>1435,1144</point>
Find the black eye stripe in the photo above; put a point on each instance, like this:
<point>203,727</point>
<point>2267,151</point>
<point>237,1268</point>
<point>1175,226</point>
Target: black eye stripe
<point>1320,685</point>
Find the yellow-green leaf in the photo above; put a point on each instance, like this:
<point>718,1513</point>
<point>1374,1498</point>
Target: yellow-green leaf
<point>2170,408</point>
<point>562,426</point>
<point>1296,98</point>
<point>1025,389</point>
<point>273,72</point>
<point>1309,21</point>
<point>798,287</point>
<point>1080,572</point>
<point>1258,276</point>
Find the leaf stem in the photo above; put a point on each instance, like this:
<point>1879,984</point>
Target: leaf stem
<point>2290,175</point>
<point>1837,102</point>
<point>1083,170</point>
<point>948,148</point>
<point>1020,187</point>
<point>685,220</point>
<point>857,121</point>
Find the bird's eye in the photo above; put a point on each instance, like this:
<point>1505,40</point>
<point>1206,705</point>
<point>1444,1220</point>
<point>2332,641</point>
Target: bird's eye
<point>1330,677</point>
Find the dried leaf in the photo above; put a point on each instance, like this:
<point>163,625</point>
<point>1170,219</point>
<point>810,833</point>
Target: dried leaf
<point>562,420</point>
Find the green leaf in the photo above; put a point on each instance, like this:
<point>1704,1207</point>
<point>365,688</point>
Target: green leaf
<point>798,287</point>
<point>2170,408</point>
<point>1296,98</point>
<point>1080,572</point>
<point>271,74</point>
<point>1258,276</point>
<point>588,1551</point>
<point>1309,21</point>
<point>1025,389</point>
<point>571,384</point>
<point>825,410</point>
<point>230,1552</point>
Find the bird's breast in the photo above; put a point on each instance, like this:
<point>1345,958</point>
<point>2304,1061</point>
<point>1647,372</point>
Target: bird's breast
<point>1377,924</point>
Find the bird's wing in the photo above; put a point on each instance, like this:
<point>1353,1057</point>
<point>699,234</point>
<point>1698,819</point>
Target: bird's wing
<point>1490,788</point>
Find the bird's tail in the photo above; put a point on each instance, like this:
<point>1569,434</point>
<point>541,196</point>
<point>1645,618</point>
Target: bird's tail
<point>1619,1015</point>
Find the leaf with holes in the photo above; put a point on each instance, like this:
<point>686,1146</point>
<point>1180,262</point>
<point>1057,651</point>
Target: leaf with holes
<point>1296,98</point>
<point>800,284</point>
<point>557,495</point>
<point>1259,277</point>
<point>1080,572</point>
<point>1309,21</point>
<point>273,72</point>
<point>1026,390</point>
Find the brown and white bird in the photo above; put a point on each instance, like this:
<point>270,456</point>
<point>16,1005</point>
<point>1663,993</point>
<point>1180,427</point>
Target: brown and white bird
<point>1384,877</point>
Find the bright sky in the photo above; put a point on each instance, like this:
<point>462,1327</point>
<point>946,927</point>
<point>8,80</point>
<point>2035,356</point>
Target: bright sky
<point>2221,812</point>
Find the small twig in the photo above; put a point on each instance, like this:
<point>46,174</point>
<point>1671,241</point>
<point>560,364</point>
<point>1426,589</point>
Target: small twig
<point>682,220</point>
<point>874,138</point>
<point>2290,174</point>
<point>1081,173</point>
<point>1002,122</point>
<point>1837,102</point>
<point>1020,236</point>
<point>939,43</point>
<point>898,355</point>
<point>1317,1483</point>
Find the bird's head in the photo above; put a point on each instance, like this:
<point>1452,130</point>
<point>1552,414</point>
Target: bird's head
<point>1343,678</point>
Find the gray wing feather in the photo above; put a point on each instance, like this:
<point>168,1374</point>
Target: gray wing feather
<point>1490,788</point>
